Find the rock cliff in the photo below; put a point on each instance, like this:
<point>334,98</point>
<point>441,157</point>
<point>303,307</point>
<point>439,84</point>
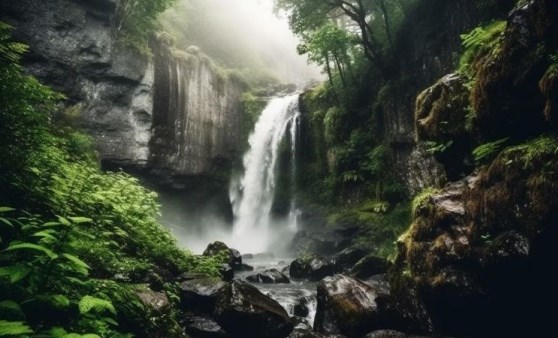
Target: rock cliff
<point>168,115</point>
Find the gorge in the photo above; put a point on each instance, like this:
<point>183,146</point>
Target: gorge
<point>174,168</point>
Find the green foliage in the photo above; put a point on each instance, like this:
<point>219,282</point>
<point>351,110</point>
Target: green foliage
<point>39,267</point>
<point>529,153</point>
<point>88,303</point>
<point>489,150</point>
<point>13,328</point>
<point>381,225</point>
<point>136,19</point>
<point>435,148</point>
<point>480,40</point>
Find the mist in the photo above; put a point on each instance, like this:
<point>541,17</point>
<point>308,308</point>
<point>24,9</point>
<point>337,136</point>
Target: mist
<point>241,34</point>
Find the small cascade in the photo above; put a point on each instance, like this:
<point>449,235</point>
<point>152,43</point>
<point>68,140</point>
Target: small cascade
<point>252,196</point>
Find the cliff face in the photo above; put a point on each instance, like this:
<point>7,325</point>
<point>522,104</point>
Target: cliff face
<point>196,120</point>
<point>170,114</point>
<point>477,255</point>
<point>427,49</point>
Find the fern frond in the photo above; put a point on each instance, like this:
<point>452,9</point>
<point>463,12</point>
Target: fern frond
<point>88,303</point>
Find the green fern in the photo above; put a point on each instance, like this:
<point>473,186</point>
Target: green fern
<point>89,303</point>
<point>31,246</point>
<point>14,273</point>
<point>488,150</point>
<point>14,328</point>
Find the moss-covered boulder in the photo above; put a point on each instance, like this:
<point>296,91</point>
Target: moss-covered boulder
<point>350,307</point>
<point>229,255</point>
<point>477,254</point>
<point>440,120</point>
<point>505,96</point>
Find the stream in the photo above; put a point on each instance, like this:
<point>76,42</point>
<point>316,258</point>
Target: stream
<point>287,295</point>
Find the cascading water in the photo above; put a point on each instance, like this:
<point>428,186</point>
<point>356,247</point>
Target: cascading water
<point>252,196</point>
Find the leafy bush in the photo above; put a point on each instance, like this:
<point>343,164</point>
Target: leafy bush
<point>44,276</point>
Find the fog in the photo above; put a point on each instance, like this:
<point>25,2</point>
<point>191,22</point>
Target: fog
<point>241,34</point>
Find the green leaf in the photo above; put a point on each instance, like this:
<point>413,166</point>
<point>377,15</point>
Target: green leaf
<point>110,321</point>
<point>79,220</point>
<point>88,303</point>
<point>6,209</point>
<point>51,224</point>
<point>13,328</point>
<point>45,234</point>
<point>14,272</point>
<point>64,221</point>
<point>7,222</point>
<point>31,246</point>
<point>59,301</point>
<point>78,262</point>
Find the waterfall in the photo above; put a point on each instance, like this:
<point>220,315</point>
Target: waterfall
<point>252,196</point>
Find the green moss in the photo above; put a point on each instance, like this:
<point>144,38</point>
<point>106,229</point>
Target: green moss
<point>422,199</point>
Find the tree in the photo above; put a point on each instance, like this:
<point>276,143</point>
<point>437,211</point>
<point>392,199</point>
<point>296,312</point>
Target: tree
<point>372,21</point>
<point>330,46</point>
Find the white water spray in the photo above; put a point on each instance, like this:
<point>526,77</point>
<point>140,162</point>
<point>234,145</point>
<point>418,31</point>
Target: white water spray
<point>252,196</point>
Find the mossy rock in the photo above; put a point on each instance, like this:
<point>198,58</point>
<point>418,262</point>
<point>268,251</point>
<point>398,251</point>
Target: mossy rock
<point>441,121</point>
<point>505,95</point>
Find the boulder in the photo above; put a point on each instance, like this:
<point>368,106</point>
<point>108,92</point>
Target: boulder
<point>370,266</point>
<point>199,295</point>
<point>313,267</point>
<point>248,256</point>
<point>156,301</point>
<point>243,311</point>
<point>235,259</point>
<point>349,306</point>
<point>232,256</point>
<point>203,327</point>
<point>301,309</point>
<point>271,276</point>
<point>227,273</point>
<point>348,257</point>
<point>440,115</point>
